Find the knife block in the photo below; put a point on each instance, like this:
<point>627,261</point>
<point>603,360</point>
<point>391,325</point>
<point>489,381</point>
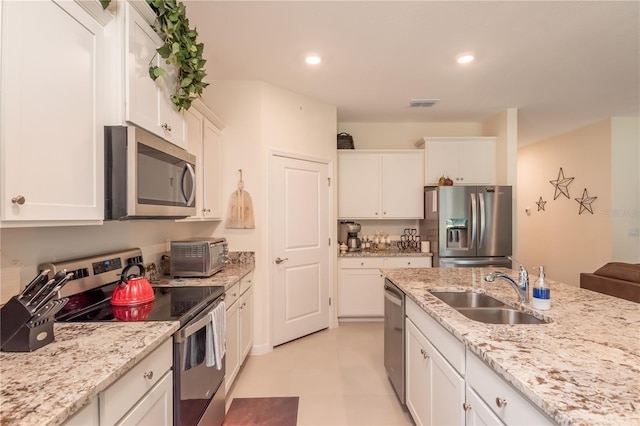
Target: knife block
<point>18,333</point>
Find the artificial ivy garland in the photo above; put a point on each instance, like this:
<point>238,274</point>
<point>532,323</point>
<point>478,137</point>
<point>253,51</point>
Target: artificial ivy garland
<point>180,48</point>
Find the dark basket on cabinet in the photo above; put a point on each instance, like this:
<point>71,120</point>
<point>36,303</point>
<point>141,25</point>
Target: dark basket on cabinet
<point>345,141</point>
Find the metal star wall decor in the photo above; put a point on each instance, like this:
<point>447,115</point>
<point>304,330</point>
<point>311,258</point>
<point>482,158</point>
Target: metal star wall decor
<point>561,185</point>
<point>541,204</point>
<point>585,202</point>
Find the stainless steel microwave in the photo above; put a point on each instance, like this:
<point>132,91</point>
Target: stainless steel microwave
<point>146,177</point>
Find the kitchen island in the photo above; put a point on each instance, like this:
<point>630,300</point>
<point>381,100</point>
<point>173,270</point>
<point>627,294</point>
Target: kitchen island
<point>582,368</point>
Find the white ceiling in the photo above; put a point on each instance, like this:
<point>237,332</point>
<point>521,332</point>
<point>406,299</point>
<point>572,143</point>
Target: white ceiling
<point>563,64</point>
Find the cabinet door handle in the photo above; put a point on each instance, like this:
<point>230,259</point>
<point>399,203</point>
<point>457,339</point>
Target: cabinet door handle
<point>166,127</point>
<point>148,375</point>
<point>501,402</point>
<point>466,407</point>
<point>424,353</point>
<point>279,261</point>
<point>19,200</point>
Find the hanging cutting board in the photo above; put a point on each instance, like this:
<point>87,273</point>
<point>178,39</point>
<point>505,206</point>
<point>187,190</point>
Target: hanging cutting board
<point>240,212</point>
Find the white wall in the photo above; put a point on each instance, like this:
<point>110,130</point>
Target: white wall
<point>261,118</point>
<point>403,135</point>
<point>625,189</point>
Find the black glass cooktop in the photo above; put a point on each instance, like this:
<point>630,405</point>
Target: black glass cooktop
<point>170,304</point>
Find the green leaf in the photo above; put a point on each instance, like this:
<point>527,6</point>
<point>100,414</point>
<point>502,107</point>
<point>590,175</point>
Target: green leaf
<point>105,3</point>
<point>164,51</point>
<point>185,82</point>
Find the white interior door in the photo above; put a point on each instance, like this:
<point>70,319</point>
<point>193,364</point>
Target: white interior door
<point>299,232</point>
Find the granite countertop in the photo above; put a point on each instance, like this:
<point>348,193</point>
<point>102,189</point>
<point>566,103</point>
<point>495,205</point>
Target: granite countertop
<point>390,252</point>
<point>583,368</point>
<point>227,277</point>
<point>47,386</point>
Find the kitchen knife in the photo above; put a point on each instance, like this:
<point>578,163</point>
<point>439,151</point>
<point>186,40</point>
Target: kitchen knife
<point>48,311</point>
<point>37,291</point>
<point>50,291</point>
<point>29,287</point>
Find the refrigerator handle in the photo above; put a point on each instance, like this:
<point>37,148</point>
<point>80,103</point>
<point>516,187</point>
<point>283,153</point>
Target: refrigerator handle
<point>482,219</point>
<point>474,220</point>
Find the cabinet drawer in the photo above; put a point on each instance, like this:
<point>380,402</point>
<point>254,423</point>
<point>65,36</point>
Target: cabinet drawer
<point>362,263</point>
<point>246,282</point>
<point>231,295</point>
<point>118,398</point>
<point>450,347</point>
<point>408,262</point>
<point>493,390</point>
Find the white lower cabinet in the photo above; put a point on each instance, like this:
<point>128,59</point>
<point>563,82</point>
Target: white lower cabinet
<point>87,416</point>
<point>361,284</point>
<point>361,291</point>
<point>435,390</point>
<point>144,395</point>
<point>499,397</point>
<point>239,327</point>
<point>477,412</point>
<point>447,384</point>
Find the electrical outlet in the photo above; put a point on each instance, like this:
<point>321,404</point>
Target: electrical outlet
<point>633,232</point>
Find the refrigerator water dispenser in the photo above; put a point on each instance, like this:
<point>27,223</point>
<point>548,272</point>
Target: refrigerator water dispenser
<point>457,234</point>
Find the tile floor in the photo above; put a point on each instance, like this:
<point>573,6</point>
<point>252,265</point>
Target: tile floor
<point>338,374</point>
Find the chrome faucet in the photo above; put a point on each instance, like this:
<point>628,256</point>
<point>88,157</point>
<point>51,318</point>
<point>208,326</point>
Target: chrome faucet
<point>522,288</point>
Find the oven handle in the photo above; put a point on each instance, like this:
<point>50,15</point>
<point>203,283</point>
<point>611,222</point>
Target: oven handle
<point>192,327</point>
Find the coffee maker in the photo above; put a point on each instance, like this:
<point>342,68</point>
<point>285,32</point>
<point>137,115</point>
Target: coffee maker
<point>348,234</point>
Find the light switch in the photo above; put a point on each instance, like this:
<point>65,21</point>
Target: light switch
<point>633,232</point>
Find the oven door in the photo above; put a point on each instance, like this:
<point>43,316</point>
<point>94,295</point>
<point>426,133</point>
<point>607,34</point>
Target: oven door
<point>198,389</point>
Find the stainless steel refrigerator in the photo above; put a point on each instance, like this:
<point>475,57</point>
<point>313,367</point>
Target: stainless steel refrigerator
<point>468,225</point>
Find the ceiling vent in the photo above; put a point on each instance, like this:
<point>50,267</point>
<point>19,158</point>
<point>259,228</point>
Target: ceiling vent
<point>422,103</point>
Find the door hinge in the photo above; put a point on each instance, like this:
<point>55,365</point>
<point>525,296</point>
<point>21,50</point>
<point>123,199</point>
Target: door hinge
<point>329,301</point>
<point>329,241</point>
<point>329,181</point>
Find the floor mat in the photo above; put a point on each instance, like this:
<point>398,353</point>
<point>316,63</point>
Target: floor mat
<point>275,411</point>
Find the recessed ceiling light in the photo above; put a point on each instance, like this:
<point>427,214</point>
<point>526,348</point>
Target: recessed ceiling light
<point>313,59</point>
<point>465,58</point>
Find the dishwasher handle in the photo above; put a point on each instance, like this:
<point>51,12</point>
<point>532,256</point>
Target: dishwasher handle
<point>391,297</point>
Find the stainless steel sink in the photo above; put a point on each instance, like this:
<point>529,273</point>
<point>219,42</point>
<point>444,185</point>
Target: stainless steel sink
<point>459,299</point>
<point>499,316</point>
<point>483,308</point>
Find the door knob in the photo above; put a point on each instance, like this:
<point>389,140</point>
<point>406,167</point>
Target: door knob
<point>18,200</point>
<point>279,261</point>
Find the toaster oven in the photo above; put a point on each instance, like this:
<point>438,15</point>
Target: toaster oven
<point>198,257</point>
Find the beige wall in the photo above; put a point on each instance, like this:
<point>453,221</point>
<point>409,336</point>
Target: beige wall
<point>261,118</point>
<point>565,242</point>
<point>403,135</point>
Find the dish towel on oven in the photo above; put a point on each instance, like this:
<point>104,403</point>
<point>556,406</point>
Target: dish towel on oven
<point>215,336</point>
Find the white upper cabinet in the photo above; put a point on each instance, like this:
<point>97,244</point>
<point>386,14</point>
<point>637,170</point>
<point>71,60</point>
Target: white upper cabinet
<point>147,102</point>
<point>466,160</point>
<point>52,108</point>
<point>205,142</point>
<point>380,184</point>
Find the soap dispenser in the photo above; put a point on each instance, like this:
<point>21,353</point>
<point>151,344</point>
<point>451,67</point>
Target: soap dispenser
<point>541,293</point>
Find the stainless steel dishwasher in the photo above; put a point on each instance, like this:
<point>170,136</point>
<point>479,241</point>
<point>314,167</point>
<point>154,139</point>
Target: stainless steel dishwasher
<point>394,337</point>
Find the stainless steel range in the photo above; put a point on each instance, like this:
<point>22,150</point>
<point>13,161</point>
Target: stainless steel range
<point>199,390</point>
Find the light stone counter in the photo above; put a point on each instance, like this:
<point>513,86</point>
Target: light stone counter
<point>581,369</point>
<point>391,252</point>
<point>241,264</point>
<point>47,386</point>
